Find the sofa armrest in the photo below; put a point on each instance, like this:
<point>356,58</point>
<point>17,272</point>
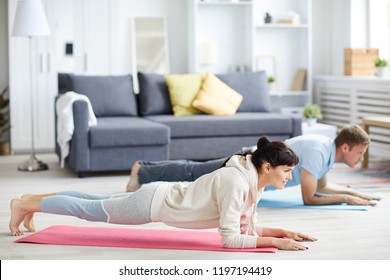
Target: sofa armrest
<point>79,154</point>
<point>297,126</point>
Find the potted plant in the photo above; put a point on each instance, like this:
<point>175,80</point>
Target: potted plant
<point>381,67</point>
<point>271,83</point>
<point>4,123</point>
<point>312,113</point>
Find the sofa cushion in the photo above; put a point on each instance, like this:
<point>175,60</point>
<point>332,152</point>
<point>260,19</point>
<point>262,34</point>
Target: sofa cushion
<point>182,91</point>
<point>153,95</point>
<point>242,124</point>
<point>216,98</point>
<point>254,88</point>
<point>128,131</point>
<point>109,95</point>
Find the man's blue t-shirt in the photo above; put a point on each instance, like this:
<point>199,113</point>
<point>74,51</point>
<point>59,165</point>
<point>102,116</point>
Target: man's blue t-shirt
<point>316,154</point>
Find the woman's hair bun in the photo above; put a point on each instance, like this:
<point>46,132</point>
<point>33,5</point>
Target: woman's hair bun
<point>263,142</point>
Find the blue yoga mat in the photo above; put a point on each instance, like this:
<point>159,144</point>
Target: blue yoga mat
<point>281,199</point>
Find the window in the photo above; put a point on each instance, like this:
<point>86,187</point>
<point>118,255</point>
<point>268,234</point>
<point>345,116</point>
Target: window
<point>379,26</point>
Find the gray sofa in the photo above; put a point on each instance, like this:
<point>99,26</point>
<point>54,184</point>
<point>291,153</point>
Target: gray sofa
<point>142,126</point>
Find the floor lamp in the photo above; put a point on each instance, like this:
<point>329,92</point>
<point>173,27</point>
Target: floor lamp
<point>30,21</point>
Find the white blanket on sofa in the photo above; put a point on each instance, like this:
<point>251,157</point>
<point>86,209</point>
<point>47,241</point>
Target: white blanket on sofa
<point>65,124</point>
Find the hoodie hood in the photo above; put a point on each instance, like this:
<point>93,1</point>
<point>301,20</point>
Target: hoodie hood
<point>245,165</point>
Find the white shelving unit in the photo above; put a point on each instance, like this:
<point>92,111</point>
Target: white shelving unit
<point>290,45</point>
<point>239,31</point>
<point>228,25</point>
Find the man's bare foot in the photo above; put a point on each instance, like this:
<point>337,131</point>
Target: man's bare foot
<point>17,217</point>
<point>133,183</point>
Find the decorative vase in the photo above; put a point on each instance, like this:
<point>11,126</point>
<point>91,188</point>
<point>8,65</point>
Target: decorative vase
<point>267,18</point>
<point>311,121</point>
<point>272,86</point>
<point>381,72</point>
<point>5,149</point>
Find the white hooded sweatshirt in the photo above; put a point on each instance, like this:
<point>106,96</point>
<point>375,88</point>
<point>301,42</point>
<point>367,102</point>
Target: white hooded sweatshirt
<point>225,199</point>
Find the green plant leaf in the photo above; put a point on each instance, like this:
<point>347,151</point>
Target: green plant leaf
<point>380,62</point>
<point>312,111</point>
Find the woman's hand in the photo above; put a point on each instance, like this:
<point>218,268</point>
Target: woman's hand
<point>278,232</point>
<point>288,244</point>
<point>283,239</point>
<point>297,236</point>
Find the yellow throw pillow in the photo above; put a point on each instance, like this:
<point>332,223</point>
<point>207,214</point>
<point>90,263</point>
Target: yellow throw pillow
<point>182,90</point>
<point>217,98</point>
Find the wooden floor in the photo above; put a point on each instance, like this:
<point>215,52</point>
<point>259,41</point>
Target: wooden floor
<point>342,235</point>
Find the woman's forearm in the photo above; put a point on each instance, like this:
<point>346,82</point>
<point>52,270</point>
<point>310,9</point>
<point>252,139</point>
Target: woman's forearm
<point>273,232</point>
<point>265,242</point>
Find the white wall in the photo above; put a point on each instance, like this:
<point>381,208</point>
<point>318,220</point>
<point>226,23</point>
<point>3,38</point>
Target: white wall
<point>333,23</point>
<point>64,34</point>
<point>378,16</point>
<point>339,19</point>
<point>3,50</point>
<point>340,24</point>
<point>321,37</point>
<point>3,44</point>
<point>122,12</point>
<point>359,23</point>
<point>175,13</point>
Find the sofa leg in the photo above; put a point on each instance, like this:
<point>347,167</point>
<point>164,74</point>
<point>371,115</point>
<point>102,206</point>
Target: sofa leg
<point>81,174</point>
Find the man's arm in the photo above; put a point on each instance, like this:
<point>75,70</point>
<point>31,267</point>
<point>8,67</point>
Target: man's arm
<point>319,192</point>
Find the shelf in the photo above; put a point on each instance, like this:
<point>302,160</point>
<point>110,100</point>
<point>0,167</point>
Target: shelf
<point>283,93</point>
<point>152,35</point>
<point>227,2</point>
<point>281,25</point>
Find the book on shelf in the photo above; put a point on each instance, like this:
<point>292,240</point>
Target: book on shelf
<point>299,80</point>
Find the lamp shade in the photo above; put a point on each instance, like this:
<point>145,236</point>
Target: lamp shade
<point>30,19</point>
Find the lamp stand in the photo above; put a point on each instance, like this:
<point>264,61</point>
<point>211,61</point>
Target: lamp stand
<point>32,164</point>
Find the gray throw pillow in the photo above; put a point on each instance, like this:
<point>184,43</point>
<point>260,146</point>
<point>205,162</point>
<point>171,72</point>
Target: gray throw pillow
<point>109,95</point>
<point>254,88</point>
<point>153,95</point>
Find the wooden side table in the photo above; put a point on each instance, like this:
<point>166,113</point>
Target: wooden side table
<point>373,121</point>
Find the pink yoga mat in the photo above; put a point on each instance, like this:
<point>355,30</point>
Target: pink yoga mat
<point>133,238</point>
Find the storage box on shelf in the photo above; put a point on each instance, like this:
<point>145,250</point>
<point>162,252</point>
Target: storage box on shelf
<point>360,62</point>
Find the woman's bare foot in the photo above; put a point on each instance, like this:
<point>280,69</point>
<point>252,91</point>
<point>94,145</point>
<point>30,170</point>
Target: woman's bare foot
<point>17,216</point>
<point>28,221</point>
<point>133,183</point>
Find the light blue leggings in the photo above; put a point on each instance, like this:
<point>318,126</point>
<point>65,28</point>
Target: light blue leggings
<point>74,203</point>
<point>127,208</point>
